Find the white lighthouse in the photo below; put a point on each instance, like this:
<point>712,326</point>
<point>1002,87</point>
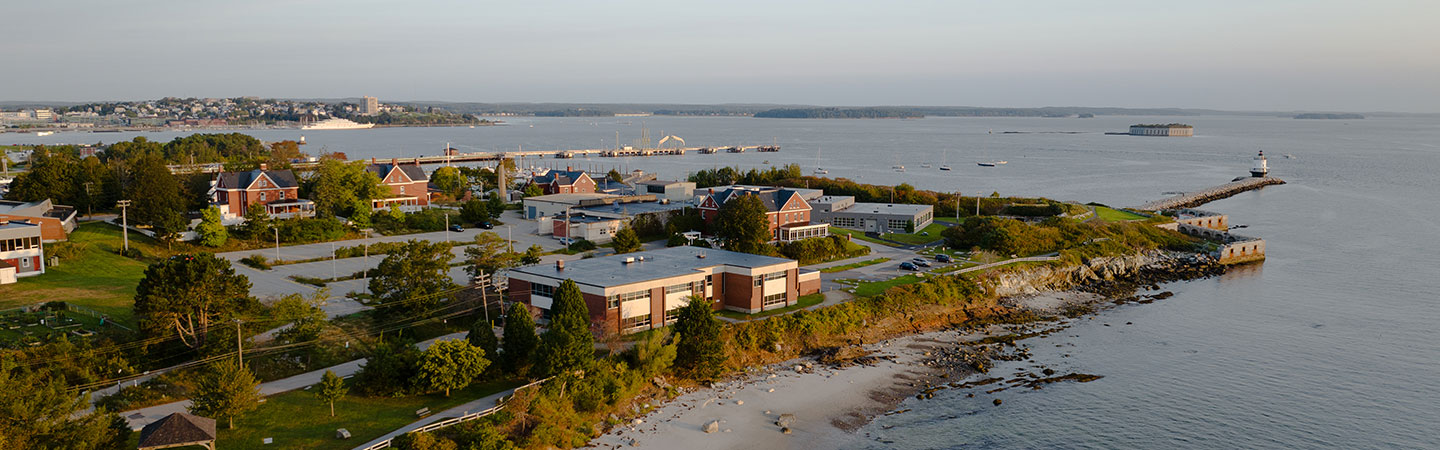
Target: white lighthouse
<point>1261,167</point>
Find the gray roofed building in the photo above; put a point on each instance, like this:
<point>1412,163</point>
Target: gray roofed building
<point>412,171</point>
<point>241,180</point>
<point>178,430</point>
<point>842,211</point>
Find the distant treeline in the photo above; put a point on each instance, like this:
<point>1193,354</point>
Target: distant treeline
<point>1328,116</point>
<point>574,112</point>
<point>838,113</point>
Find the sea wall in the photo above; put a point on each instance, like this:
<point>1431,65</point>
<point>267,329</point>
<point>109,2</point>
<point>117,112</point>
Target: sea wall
<point>1194,199</point>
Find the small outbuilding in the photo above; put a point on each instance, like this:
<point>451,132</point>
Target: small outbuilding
<point>178,430</point>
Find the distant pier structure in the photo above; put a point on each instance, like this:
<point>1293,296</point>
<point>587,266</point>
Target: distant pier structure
<point>1169,129</point>
<point>1261,168</point>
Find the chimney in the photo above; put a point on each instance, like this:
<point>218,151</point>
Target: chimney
<point>372,160</point>
<point>559,265</point>
<point>264,166</point>
<point>569,169</point>
<point>394,161</point>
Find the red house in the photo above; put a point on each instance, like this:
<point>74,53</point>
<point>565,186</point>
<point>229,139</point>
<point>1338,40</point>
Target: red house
<point>276,189</point>
<point>788,212</point>
<point>565,182</point>
<point>408,185</point>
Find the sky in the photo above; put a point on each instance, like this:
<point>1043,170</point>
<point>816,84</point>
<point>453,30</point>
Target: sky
<point>1321,55</point>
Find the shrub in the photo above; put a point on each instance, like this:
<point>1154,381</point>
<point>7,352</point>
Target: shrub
<point>583,245</point>
<point>257,261</point>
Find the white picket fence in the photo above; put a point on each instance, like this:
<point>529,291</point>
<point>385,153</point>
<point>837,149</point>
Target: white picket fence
<point>454,420</point>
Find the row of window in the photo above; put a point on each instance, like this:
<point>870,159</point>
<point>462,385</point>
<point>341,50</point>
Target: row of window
<point>25,243</point>
<point>772,300</point>
<point>542,290</point>
<point>635,322</point>
<point>845,222</point>
<point>898,226</point>
<point>614,301</point>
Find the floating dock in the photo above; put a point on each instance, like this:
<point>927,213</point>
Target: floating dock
<point>1193,199</point>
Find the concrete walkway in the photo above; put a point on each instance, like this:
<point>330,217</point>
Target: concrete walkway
<point>139,418</point>
<point>472,406</point>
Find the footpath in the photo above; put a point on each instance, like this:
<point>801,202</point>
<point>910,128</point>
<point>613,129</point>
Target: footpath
<point>139,418</point>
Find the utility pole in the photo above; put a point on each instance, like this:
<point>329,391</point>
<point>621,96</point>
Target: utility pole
<point>447,227</point>
<point>507,239</point>
<point>482,281</point>
<point>957,207</point>
<point>366,245</point>
<point>89,201</point>
<point>239,345</point>
<point>124,222</point>
<point>333,276</point>
<point>977,205</point>
<point>277,243</point>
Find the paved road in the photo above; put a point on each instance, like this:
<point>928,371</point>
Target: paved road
<point>144,416</point>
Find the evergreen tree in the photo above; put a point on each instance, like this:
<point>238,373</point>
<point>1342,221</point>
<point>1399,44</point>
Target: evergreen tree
<point>626,241</point>
<point>519,341</point>
<point>568,344</point>
<point>158,197</point>
<point>532,255</point>
<point>482,336</point>
<point>257,222</point>
<point>474,211</point>
<point>212,232</point>
<point>412,280</point>
<point>699,354</point>
<point>331,389</point>
<point>450,364</point>
<point>185,294</point>
<point>226,392</point>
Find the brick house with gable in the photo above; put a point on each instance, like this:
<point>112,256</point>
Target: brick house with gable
<point>277,190</point>
<point>408,185</point>
<point>565,182</point>
<point>786,210</point>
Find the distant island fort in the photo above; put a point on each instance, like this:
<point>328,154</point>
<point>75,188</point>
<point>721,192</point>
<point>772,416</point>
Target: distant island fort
<point>1169,129</point>
<point>1330,116</point>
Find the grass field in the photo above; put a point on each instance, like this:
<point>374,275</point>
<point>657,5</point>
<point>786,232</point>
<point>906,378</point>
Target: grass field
<point>1115,215</point>
<point>96,277</point>
<point>932,234</point>
<point>296,419</point>
<point>854,265</point>
<point>805,301</point>
<point>858,235</point>
<point>873,288</point>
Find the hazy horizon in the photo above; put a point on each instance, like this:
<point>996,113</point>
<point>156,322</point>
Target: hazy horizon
<point>1231,55</point>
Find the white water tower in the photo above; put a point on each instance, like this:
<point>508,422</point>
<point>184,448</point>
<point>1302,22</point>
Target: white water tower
<point>1261,167</point>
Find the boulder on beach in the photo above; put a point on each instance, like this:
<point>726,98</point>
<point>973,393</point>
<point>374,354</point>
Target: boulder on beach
<point>711,426</point>
<point>785,420</point>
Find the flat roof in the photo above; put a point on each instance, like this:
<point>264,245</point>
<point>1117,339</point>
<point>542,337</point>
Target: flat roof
<point>569,198</point>
<point>636,208</point>
<point>886,208</point>
<point>611,270</point>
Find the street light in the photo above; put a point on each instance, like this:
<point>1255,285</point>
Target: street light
<point>277,243</point>
<point>124,222</point>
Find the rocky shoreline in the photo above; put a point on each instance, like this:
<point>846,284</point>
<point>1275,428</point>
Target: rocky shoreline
<point>826,396</point>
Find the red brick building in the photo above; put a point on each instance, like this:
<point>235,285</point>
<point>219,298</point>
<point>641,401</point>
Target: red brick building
<point>275,189</point>
<point>408,185</point>
<point>565,182</point>
<point>21,251</point>
<point>637,291</point>
<point>56,221</point>
<point>786,209</point>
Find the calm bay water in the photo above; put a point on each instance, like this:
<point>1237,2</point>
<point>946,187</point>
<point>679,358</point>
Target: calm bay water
<point>1332,342</point>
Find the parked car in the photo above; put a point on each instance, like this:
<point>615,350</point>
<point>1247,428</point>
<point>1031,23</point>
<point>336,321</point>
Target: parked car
<point>907,265</point>
<point>944,258</point>
<point>457,228</point>
<point>567,241</point>
<point>486,225</point>
<point>922,263</point>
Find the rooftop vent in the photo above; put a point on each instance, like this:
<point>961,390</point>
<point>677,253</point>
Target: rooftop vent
<point>559,264</point>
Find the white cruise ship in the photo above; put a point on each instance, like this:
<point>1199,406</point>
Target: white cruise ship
<point>336,124</point>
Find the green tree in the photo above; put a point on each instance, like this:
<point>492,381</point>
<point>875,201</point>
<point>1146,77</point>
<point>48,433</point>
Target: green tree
<point>343,188</point>
<point>450,364</point>
<point>495,206</point>
<point>38,411</point>
<point>615,176</point>
<point>52,174</point>
<point>482,336</point>
<point>488,254</point>
<point>699,354</point>
<point>303,315</point>
<point>449,181</point>
<point>519,341</point>
<point>412,280</point>
<point>225,393</point>
<point>474,210</point>
<point>910,227</point>
<point>568,344</point>
<point>652,355</point>
<point>532,255</point>
<point>185,294</point>
<point>257,222</point>
<point>533,190</point>
<point>423,441</point>
<point>742,226</point>
<point>158,199</point>
<point>390,369</point>
<point>626,241</point>
<point>212,232</point>
<point>331,389</point>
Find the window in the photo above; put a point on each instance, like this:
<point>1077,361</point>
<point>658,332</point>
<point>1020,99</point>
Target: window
<point>774,276</point>
<point>402,190</point>
<point>772,300</point>
<point>614,301</point>
<point>898,226</point>
<point>24,262</point>
<point>542,290</point>
<point>262,196</point>
<point>675,289</point>
<point>635,322</point>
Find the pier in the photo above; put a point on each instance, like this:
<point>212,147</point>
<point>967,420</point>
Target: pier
<point>624,152</point>
<point>1193,199</point>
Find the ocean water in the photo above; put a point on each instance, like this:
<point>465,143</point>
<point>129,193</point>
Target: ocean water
<point>1331,342</point>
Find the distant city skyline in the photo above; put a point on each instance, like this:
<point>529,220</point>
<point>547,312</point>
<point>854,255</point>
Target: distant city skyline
<point>1229,55</point>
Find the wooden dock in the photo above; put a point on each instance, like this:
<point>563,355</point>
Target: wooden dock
<point>1194,199</point>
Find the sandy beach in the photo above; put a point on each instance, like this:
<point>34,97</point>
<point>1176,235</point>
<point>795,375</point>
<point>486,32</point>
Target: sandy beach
<point>828,402</point>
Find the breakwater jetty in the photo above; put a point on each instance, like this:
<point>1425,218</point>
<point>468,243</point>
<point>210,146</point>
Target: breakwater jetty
<point>1193,199</point>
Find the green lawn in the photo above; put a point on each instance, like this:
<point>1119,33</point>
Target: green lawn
<point>854,265</point>
<point>916,238</point>
<point>805,301</point>
<point>858,235</point>
<point>96,277</point>
<point>873,288</point>
<point>296,419</point>
<point>1116,215</point>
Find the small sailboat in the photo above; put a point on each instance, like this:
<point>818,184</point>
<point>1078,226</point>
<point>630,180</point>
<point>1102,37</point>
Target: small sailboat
<point>985,164</point>
<point>944,161</point>
<point>1002,162</point>
<point>926,166</point>
<point>819,170</point>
